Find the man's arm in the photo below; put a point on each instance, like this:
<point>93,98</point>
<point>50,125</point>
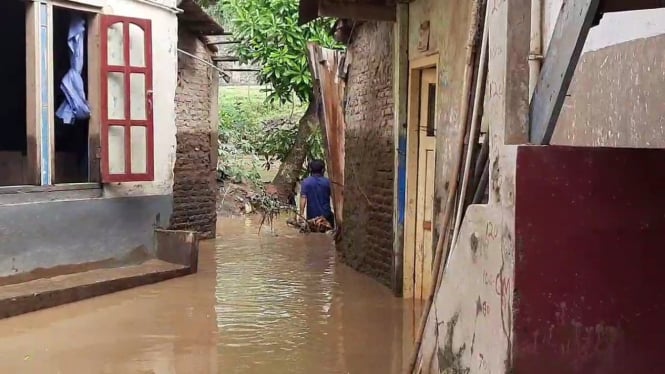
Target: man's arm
<point>303,205</point>
<point>304,190</point>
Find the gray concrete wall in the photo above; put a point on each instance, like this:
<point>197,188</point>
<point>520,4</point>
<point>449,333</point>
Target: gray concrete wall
<point>53,233</point>
<point>616,98</point>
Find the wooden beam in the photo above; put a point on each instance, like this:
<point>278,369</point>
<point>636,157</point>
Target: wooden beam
<point>607,6</point>
<point>242,70</point>
<point>358,11</point>
<point>224,42</point>
<point>570,33</point>
<point>225,59</point>
<point>94,98</point>
<point>33,83</point>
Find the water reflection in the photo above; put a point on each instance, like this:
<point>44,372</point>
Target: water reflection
<point>286,306</point>
<point>259,304</point>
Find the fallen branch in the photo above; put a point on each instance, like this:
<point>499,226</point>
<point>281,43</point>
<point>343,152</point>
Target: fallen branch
<point>269,207</point>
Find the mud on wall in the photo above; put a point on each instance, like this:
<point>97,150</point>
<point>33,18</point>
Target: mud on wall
<point>195,188</point>
<point>367,243</point>
<point>473,312</point>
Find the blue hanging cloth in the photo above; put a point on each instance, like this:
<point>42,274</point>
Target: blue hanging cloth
<point>75,106</point>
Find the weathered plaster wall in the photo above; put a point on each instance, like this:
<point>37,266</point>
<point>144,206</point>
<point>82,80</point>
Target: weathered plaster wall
<point>470,328</point>
<point>195,187</point>
<point>448,36</point>
<point>614,28</point>
<point>615,96</point>
<point>165,64</point>
<point>367,243</point>
<point>472,309</point>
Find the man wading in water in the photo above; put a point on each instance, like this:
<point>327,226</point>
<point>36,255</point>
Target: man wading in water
<point>315,197</point>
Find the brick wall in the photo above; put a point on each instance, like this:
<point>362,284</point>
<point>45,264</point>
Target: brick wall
<point>367,243</point>
<point>194,189</point>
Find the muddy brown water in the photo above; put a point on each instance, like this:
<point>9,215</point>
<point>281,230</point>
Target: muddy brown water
<point>259,304</point>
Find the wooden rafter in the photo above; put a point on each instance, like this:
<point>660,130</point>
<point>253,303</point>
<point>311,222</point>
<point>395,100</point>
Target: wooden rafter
<point>359,10</point>
<point>571,31</point>
<point>607,6</point>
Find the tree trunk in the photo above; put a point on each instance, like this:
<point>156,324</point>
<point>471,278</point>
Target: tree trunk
<point>289,171</point>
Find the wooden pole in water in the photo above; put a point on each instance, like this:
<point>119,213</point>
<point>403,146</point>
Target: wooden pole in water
<point>443,239</point>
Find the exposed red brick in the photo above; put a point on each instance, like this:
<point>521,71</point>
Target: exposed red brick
<point>367,243</point>
<point>195,187</point>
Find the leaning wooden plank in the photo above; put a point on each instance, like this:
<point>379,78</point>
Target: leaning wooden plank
<point>570,33</point>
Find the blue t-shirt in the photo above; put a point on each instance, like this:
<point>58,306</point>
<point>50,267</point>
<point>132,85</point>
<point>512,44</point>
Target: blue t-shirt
<point>317,191</point>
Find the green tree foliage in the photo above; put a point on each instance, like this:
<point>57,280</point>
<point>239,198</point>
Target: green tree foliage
<point>254,134</point>
<point>278,138</point>
<point>242,113</point>
<point>270,37</point>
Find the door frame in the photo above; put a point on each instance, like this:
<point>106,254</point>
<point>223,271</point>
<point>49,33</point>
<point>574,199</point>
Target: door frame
<point>416,66</point>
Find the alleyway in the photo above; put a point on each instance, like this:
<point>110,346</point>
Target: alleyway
<point>259,304</point>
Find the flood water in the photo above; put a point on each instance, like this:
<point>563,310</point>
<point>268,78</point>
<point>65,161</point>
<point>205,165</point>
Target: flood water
<point>259,304</point>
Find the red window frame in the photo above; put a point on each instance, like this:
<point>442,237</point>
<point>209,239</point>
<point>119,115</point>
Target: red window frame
<point>128,122</point>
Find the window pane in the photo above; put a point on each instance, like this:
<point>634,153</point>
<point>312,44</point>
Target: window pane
<point>139,142</point>
<point>116,149</point>
<point>116,96</point>
<point>137,96</point>
<point>431,105</point>
<point>136,46</point>
<point>116,44</point>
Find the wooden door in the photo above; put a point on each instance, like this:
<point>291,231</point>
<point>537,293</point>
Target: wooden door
<point>127,112</point>
<point>424,281</point>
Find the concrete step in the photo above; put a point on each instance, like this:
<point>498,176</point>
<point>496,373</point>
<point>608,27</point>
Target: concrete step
<point>16,299</point>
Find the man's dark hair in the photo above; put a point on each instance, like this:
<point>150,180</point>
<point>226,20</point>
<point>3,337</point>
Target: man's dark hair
<point>317,167</point>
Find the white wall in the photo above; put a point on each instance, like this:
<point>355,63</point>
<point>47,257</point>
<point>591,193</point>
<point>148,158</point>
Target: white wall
<point>165,66</point>
<point>614,28</point>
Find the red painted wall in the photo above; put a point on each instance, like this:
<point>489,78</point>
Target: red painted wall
<point>590,264</point>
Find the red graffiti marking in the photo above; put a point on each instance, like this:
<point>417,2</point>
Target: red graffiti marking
<point>502,286</point>
<point>485,308</point>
